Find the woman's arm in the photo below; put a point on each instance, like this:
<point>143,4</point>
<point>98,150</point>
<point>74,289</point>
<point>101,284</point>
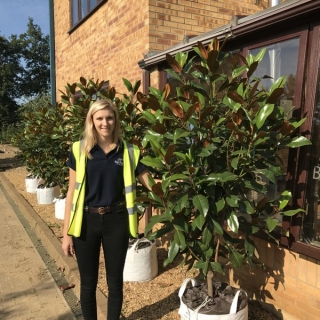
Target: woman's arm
<point>67,243</point>
<point>143,178</point>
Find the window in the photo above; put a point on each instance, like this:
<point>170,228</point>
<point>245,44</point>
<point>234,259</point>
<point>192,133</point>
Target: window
<point>280,59</point>
<point>311,224</point>
<point>81,8</point>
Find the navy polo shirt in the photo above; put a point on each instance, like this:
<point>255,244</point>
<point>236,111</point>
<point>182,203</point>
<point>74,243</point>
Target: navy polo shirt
<point>104,176</point>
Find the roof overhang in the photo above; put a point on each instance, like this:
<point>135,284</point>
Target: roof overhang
<point>284,12</point>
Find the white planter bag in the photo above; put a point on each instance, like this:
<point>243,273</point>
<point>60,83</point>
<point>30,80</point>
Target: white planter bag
<point>47,195</point>
<point>141,264</point>
<point>188,314</point>
<point>32,183</point>
<point>59,207</point>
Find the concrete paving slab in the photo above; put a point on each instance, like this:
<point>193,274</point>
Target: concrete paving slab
<point>50,250</point>
<point>27,289</point>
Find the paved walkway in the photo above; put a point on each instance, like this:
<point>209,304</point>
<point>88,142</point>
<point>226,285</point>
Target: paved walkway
<point>27,289</point>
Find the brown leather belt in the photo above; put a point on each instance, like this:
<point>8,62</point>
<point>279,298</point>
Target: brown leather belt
<point>107,209</point>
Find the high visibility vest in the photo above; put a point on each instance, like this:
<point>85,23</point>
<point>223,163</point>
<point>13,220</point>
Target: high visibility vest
<point>131,154</point>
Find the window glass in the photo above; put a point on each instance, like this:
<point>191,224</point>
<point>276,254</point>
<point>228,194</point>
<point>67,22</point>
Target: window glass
<point>92,4</point>
<point>280,59</point>
<point>81,8</point>
<point>311,223</point>
<point>75,17</point>
<point>84,8</point>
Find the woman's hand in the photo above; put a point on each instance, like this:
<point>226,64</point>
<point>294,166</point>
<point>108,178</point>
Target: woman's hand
<point>67,246</point>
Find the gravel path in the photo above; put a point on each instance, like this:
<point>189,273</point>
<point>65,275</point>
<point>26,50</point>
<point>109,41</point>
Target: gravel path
<point>155,299</point>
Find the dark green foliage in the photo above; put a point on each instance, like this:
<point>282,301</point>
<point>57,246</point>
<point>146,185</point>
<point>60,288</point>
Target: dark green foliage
<point>210,144</point>
<point>44,144</point>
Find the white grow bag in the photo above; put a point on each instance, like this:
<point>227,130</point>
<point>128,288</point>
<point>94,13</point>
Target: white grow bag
<point>141,264</point>
<point>59,207</point>
<point>32,183</point>
<point>47,195</point>
<point>188,314</point>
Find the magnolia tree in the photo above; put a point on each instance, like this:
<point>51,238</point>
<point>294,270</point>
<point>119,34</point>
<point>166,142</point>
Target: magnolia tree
<point>209,143</point>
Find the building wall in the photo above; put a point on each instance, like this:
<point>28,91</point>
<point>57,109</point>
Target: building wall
<point>109,44</point>
<point>172,20</point>
<point>288,285</point>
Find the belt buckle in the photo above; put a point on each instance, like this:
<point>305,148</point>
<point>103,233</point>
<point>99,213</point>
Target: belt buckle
<point>101,210</point>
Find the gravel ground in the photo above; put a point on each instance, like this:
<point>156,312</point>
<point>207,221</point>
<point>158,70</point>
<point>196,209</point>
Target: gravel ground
<point>155,299</point>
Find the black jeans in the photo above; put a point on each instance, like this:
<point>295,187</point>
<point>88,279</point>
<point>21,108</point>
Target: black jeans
<point>112,231</point>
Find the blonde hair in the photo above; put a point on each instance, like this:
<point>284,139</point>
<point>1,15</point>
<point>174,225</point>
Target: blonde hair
<point>90,133</point>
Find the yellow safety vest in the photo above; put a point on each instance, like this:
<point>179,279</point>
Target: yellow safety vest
<point>131,154</point>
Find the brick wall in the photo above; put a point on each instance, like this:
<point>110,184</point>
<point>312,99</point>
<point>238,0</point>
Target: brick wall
<point>289,286</point>
<point>108,45</point>
<point>171,20</point>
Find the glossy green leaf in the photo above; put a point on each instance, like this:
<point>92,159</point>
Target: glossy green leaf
<point>199,221</point>
<point>248,208</point>
<point>228,176</point>
<point>234,163</point>
<point>290,213</point>
<point>279,83</point>
<point>172,253</point>
<point>181,203</point>
<point>271,223</point>
<point>236,259</point>
<point>152,162</point>
<point>153,221</point>
<point>206,236</point>
<point>128,84</point>
<point>201,203</point>
<point>238,71</point>
<point>178,134</point>
<point>232,201</point>
<point>284,199</point>
<point>259,56</point>
<point>233,222</point>
<point>149,116</point>
<point>220,204</point>
<point>249,246</point>
<point>263,114</point>
<point>217,228</point>
<point>181,58</point>
<point>178,176</point>
<point>299,142</point>
<point>216,266</point>
<point>202,265</point>
<point>180,239</point>
<point>174,75</point>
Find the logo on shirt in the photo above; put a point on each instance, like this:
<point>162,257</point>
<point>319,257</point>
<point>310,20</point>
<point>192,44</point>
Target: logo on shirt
<point>119,162</point>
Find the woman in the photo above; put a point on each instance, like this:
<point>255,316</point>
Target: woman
<point>100,205</point>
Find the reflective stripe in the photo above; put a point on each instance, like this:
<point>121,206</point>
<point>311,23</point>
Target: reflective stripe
<point>131,156</point>
<point>132,210</point>
<point>131,188</point>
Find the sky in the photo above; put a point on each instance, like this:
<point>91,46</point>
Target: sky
<point>14,16</point>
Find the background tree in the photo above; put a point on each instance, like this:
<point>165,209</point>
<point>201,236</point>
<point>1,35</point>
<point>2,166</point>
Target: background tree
<point>10,68</point>
<point>24,70</point>
<point>36,56</point>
